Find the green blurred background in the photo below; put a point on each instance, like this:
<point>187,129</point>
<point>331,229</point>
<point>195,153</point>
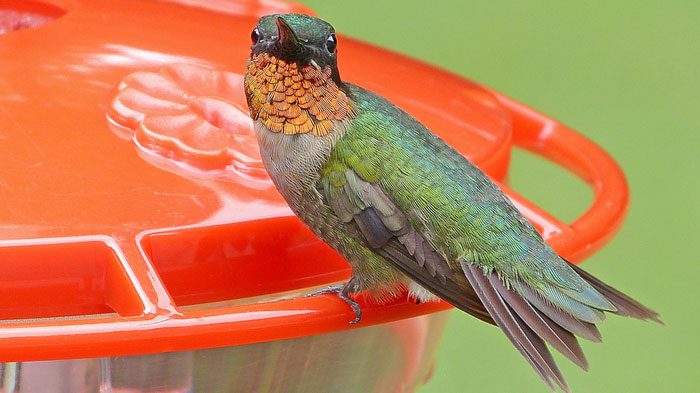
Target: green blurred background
<point>627,75</point>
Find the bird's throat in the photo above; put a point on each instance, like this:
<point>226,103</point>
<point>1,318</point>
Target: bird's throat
<point>293,100</point>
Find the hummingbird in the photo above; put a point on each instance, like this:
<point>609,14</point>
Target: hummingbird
<point>408,212</point>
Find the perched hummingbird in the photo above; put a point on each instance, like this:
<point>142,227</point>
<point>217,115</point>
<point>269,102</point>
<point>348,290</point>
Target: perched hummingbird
<point>407,210</point>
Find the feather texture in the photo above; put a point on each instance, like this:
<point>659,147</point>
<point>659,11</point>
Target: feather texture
<point>437,219</point>
<point>404,207</point>
<point>387,230</point>
<point>518,332</point>
<point>625,305</point>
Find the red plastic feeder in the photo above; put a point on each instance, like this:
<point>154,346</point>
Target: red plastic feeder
<point>144,248</point>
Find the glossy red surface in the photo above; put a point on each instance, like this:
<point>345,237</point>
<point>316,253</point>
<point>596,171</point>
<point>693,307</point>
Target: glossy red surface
<point>16,15</point>
<point>132,188</point>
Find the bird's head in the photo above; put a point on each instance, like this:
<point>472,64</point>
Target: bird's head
<point>296,38</point>
<point>292,81</point>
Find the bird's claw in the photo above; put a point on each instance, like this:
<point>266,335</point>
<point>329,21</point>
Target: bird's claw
<point>334,289</point>
<point>356,308</point>
<point>342,291</point>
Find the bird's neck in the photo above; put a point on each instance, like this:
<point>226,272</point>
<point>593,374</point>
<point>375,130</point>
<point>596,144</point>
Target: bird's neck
<point>292,99</point>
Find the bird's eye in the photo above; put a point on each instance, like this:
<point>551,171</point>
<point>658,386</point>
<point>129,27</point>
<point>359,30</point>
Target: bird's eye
<point>255,35</point>
<point>331,43</point>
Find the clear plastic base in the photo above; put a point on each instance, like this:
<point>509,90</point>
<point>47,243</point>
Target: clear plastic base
<point>390,357</point>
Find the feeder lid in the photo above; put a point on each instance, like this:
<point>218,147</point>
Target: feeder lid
<point>136,212</point>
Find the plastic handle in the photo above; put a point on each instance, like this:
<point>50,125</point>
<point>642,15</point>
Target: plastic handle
<point>554,141</point>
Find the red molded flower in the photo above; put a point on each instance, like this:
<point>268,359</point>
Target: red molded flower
<point>194,117</point>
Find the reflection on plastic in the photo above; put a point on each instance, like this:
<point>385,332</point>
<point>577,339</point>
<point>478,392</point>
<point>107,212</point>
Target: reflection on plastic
<point>375,359</point>
<point>20,15</point>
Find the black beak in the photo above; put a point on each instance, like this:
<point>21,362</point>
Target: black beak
<point>286,39</point>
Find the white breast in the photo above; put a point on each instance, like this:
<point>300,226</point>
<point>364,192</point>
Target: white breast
<point>294,161</point>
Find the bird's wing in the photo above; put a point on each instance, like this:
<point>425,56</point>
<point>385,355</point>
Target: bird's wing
<point>386,229</point>
<point>389,232</point>
<point>408,193</point>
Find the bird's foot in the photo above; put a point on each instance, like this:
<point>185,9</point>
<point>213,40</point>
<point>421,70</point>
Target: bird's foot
<point>343,292</point>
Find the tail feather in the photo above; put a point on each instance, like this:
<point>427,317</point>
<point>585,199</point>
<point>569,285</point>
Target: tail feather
<point>585,330</point>
<point>518,332</point>
<point>589,296</point>
<point>570,305</point>
<point>530,317</point>
<point>555,335</point>
<point>626,306</point>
